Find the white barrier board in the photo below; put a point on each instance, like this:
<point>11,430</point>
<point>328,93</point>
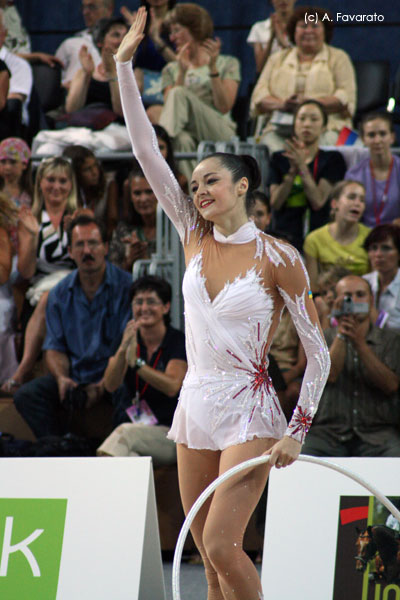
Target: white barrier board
<point>79,529</point>
<point>302,523</point>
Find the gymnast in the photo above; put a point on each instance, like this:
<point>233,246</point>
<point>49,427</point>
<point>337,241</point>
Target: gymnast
<point>236,284</point>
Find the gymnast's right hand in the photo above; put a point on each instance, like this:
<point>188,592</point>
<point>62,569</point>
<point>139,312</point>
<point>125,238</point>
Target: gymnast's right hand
<point>132,39</point>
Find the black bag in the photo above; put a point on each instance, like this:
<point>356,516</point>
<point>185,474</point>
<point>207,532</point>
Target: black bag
<point>65,445</point>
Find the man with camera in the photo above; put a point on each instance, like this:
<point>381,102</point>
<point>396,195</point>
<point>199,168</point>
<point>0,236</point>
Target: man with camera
<point>359,412</point>
<point>86,312</point>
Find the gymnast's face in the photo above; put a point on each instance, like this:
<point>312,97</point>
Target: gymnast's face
<point>215,195</point>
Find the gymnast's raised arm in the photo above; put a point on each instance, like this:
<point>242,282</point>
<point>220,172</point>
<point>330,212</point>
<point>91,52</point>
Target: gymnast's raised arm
<point>176,204</point>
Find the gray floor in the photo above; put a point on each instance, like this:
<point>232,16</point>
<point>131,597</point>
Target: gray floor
<point>192,581</point>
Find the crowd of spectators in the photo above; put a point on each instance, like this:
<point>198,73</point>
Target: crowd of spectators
<point>71,231</point>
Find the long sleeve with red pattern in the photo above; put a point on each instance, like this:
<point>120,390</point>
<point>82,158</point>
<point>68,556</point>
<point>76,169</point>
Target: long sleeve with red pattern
<point>293,284</point>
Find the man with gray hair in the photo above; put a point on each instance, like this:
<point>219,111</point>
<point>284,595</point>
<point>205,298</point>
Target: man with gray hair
<point>68,51</point>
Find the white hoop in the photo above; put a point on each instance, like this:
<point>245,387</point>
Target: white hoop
<point>253,462</point>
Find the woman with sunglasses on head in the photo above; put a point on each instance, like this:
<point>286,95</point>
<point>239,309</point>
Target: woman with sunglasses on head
<point>236,284</point>
<point>43,257</point>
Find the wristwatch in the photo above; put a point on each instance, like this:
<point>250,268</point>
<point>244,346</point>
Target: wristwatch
<point>139,363</point>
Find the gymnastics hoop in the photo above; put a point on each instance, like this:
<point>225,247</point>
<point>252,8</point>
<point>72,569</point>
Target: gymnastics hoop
<point>253,462</point>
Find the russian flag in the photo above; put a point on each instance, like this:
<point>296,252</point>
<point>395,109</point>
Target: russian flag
<point>347,137</point>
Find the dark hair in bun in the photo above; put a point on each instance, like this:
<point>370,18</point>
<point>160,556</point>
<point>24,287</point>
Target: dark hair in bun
<point>242,165</point>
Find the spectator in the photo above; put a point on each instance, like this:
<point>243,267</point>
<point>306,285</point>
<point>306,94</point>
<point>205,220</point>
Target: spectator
<point>20,87</point>
<point>98,83</point>
<point>17,38</point>
<point>8,224</point>
<point>4,87</point>
<point>135,237</point>
<point>302,176</point>
<point>85,312</point>
<point>15,171</point>
<point>96,191</point>
<point>383,247</point>
<point>380,172</point>
<point>43,256</point>
<point>270,36</point>
<point>312,69</point>
<point>200,87</point>
<point>359,412</point>
<point>153,54</point>
<point>166,149</point>
<point>290,357</point>
<point>68,51</point>
<point>150,365</point>
<point>261,211</point>
<point>326,295</point>
<point>342,241</point>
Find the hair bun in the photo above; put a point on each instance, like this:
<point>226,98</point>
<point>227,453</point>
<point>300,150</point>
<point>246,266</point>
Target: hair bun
<point>254,171</point>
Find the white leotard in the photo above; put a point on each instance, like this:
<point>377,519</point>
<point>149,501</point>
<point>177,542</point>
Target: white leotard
<point>235,289</point>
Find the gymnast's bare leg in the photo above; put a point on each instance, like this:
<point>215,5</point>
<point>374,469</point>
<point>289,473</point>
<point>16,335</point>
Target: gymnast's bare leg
<point>219,526</point>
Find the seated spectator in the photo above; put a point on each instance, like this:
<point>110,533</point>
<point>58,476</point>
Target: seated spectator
<point>15,171</point>
<point>19,90</point>
<point>342,241</point>
<point>200,87</point>
<point>260,212</point>
<point>312,69</point>
<point>270,36</point>
<point>153,54</point>
<point>85,312</point>
<point>302,176</point>
<point>135,237</point>
<point>8,224</point>
<point>95,190</point>
<point>326,295</point>
<point>383,247</point>
<point>359,411</point>
<point>380,172</point>
<point>17,38</point>
<point>166,149</point>
<point>93,84</point>
<point>43,256</point>
<point>289,354</point>
<point>4,87</point>
<point>150,365</point>
<point>68,51</point>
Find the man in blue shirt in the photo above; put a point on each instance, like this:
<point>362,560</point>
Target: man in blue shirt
<point>86,312</point>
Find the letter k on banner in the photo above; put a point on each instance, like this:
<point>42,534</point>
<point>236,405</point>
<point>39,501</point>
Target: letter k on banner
<point>31,538</point>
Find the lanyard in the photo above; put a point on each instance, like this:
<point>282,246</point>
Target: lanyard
<point>146,385</point>
<point>315,168</point>
<point>378,210</point>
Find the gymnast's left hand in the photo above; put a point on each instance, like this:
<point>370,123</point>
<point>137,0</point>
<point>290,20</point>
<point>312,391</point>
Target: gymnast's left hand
<point>284,452</point>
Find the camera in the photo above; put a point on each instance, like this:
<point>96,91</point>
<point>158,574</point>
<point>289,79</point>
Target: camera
<point>351,308</point>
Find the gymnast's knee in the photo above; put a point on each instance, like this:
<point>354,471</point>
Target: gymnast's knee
<point>221,548</point>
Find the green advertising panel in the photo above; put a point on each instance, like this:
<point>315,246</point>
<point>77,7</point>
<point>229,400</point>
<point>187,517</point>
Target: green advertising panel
<point>31,539</point>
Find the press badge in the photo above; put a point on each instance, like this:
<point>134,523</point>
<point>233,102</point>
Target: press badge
<point>140,412</point>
